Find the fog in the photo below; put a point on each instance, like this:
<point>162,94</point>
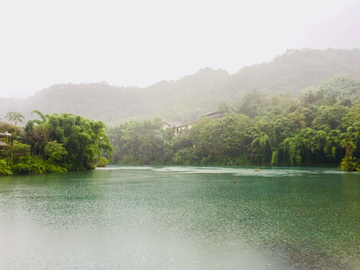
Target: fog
<point>141,43</point>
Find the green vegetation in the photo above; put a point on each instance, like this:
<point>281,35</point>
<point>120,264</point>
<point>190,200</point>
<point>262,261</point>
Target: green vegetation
<point>349,163</point>
<point>304,107</point>
<point>191,96</point>
<point>53,143</point>
<point>281,130</point>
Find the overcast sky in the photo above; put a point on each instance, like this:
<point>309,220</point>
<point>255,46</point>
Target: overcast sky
<point>143,42</point>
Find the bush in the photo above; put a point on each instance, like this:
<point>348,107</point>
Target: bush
<point>51,168</point>
<point>183,157</point>
<point>5,168</point>
<point>349,165</point>
<point>33,165</point>
<point>101,162</point>
<point>21,168</point>
<point>209,160</point>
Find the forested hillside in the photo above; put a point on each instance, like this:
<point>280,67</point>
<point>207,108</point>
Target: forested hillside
<point>312,130</point>
<point>192,95</point>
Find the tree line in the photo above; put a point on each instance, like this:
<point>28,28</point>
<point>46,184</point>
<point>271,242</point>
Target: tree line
<point>188,97</point>
<point>310,130</point>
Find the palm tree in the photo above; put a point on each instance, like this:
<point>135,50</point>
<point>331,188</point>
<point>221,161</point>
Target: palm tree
<point>15,117</point>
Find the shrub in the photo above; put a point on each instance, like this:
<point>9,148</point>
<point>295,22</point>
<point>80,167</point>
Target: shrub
<point>51,168</point>
<point>5,169</point>
<point>101,162</point>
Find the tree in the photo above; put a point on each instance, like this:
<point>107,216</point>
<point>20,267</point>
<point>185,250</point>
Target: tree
<point>349,163</point>
<point>15,117</point>
<point>252,103</point>
<point>55,152</point>
<point>82,139</point>
<point>292,149</point>
<point>223,109</point>
<point>330,116</point>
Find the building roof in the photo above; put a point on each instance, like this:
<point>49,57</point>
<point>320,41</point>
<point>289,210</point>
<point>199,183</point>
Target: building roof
<point>2,143</point>
<point>5,134</point>
<point>216,113</point>
<point>178,124</point>
<point>210,114</point>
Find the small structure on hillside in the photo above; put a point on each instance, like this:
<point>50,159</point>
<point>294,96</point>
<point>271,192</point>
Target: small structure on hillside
<point>179,128</point>
<point>2,144</point>
<point>2,135</point>
<point>170,125</point>
<point>5,134</point>
<point>216,114</point>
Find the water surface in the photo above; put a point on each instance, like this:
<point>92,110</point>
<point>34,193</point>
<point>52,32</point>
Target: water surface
<point>181,218</point>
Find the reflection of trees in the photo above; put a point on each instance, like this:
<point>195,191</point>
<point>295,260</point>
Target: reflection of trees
<point>351,191</point>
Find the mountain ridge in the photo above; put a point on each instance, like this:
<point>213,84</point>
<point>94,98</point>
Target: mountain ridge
<point>192,95</point>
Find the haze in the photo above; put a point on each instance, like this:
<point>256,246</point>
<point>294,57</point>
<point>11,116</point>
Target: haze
<point>144,42</point>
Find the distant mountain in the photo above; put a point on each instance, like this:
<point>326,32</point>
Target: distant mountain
<point>296,70</point>
<point>192,95</point>
<point>340,31</point>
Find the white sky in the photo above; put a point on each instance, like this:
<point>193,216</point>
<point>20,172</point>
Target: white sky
<point>141,42</point>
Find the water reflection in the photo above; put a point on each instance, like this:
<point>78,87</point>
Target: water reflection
<point>181,218</point>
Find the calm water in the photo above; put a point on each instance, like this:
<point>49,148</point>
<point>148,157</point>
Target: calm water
<point>181,218</point>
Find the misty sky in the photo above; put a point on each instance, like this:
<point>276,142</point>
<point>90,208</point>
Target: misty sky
<point>143,42</point>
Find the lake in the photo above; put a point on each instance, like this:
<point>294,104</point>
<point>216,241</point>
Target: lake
<point>181,218</point>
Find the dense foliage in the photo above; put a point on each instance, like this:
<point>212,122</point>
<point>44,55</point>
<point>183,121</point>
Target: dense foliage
<point>53,143</point>
<point>300,114</point>
<point>280,130</point>
<point>193,95</point>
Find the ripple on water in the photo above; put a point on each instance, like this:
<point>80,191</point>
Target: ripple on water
<point>236,171</point>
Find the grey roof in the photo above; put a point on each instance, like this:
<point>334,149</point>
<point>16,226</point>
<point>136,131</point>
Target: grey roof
<point>178,124</point>
<point>5,134</point>
<point>175,124</point>
<point>210,113</point>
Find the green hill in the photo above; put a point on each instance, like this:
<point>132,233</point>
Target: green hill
<point>192,95</point>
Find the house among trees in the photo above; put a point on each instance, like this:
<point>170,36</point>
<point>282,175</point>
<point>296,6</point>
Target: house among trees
<point>179,127</point>
<point>2,144</point>
<point>214,115</point>
<point>5,134</point>
<point>2,135</point>
<point>217,114</point>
